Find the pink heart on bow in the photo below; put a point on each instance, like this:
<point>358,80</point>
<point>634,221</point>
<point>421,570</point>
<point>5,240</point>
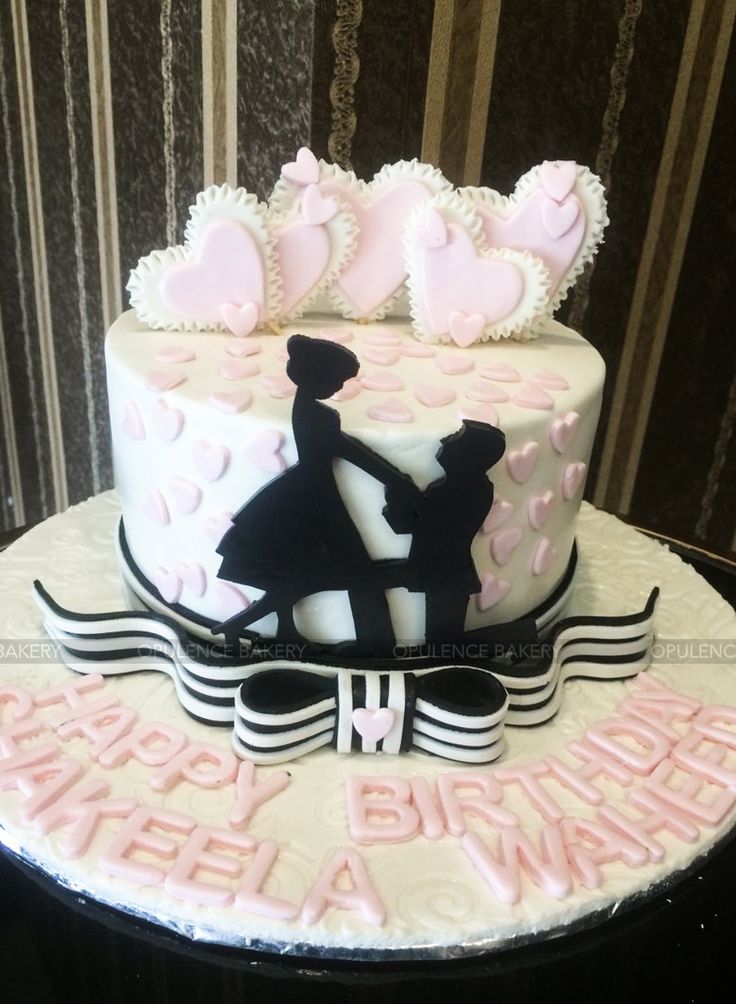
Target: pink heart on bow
<point>175,354</point>
<point>559,218</point>
<point>132,424</point>
<point>156,509</point>
<point>500,513</point>
<point>533,398</point>
<point>390,410</point>
<point>265,451</point>
<point>217,526</point>
<point>382,381</point>
<point>373,725</point>
<point>558,178</point>
<point>544,556</point>
<point>304,170</point>
<point>433,397</point>
<point>168,584</point>
<point>226,267</point>
<point>240,318</point>
<point>521,463</point>
<point>504,543</point>
<point>540,508</point>
<point>465,328</point>
<point>193,577</point>
<point>376,271</point>
<point>168,422</point>
<point>492,591</point>
<point>316,208</point>
<point>161,380</point>
<point>434,231</point>
<point>573,478</point>
<point>187,495</point>
<point>211,460</point>
<point>304,255</point>
<point>562,431</point>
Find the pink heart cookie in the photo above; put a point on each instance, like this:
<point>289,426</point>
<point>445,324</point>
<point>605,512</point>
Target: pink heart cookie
<point>265,451</point>
<point>558,178</point>
<point>540,508</point>
<point>373,725</point>
<point>175,354</point>
<point>316,209</point>
<point>240,318</point>
<point>433,233</point>
<point>533,398</point>
<point>156,509</point>
<point>573,478</point>
<point>521,463</point>
<point>237,369</point>
<point>382,381</point>
<point>558,219</point>
<point>433,397</point>
<point>168,422</point>
<point>465,328</point>
<point>193,576</point>
<point>562,431</point>
<point>544,556</point>
<point>390,410</point>
<point>161,380</point>
<point>232,402</point>
<point>500,513</point>
<point>168,584</point>
<point>211,460</point>
<point>304,255</point>
<point>304,170</point>
<point>132,424</point>
<point>217,526</point>
<point>187,495</point>
<point>492,591</point>
<point>504,543</point>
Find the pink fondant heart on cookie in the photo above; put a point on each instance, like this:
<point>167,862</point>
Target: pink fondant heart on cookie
<point>232,402</point>
<point>316,209</point>
<point>558,178</point>
<point>454,365</point>
<point>279,387</point>
<point>226,270</point>
<point>265,451</point>
<point>230,601</point>
<point>433,397</point>
<point>539,508</point>
<point>156,509</point>
<point>500,513</point>
<point>239,347</point>
<point>501,372</point>
<point>544,556</point>
<point>187,495</point>
<point>480,413</point>
<point>211,460</point>
<point>240,318</point>
<point>558,219</point>
<point>304,255</point>
<point>533,398</point>
<point>132,424</point>
<point>390,410</point>
<point>549,380</point>
<point>492,591</point>
<point>193,576</point>
<point>161,380</point>
<point>373,725</point>
<point>484,390</point>
<point>237,369</point>
<point>562,431</point>
<point>381,356</point>
<point>175,354</point>
<point>350,389</point>
<point>168,422</point>
<point>304,170</point>
<point>217,526</point>
<point>573,478</point>
<point>168,584</point>
<point>521,463</point>
<point>504,543</point>
<point>465,328</point>
<point>382,381</point>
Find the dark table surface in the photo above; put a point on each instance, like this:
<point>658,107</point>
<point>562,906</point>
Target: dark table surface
<point>675,947</point>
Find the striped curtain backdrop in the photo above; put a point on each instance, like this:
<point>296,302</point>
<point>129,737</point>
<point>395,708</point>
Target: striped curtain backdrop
<point>113,115</point>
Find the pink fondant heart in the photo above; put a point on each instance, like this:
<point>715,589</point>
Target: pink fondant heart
<point>492,591</point>
<point>382,381</point>
<point>377,270</point>
<point>132,424</point>
<point>482,413</point>
<point>168,422</point>
<point>522,462</point>
<point>237,369</point>
<point>339,335</point>
<point>225,268</point>
<point>483,390</point>
<point>193,577</point>
<point>533,398</point>
<point>160,380</point>
<point>390,410</point>
<point>457,279</point>
<point>373,725</point>
<point>211,460</point>
<point>540,507</point>
<point>433,397</point>
<point>573,478</point>
<point>168,584</point>
<point>232,402</point>
<point>454,365</point>
<point>558,219</point>
<point>465,328</point>
<point>316,209</point>
<point>381,356</point>
<point>175,354</point>
<point>504,543</point>
<point>433,233</point>
<point>549,380</point>
<point>350,389</point>
<point>187,495</point>
<point>500,513</point>
<point>544,556</point>
<point>230,601</point>
<point>240,318</point>
<point>265,451</point>
<point>415,350</point>
<point>304,170</point>
<point>279,387</point>
<point>156,509</point>
<point>239,347</point>
<point>558,178</point>
<point>217,526</point>
<point>304,254</point>
<point>501,372</point>
<point>382,337</point>
<point>562,431</point>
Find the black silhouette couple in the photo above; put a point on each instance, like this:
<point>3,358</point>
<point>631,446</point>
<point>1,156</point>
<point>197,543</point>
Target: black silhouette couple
<point>296,538</point>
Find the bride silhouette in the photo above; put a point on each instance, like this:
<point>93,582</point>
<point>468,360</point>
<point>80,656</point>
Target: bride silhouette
<point>295,537</point>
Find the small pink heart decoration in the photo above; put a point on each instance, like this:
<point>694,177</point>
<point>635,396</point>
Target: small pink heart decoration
<point>175,354</point>
<point>187,495</point>
<point>549,380</point>
<point>492,591</point>
<point>433,397</point>
<point>339,335</point>
<point>483,390</point>
<point>161,380</point>
<point>168,422</point>
<point>132,424</point>
<point>239,348</point>
<point>382,337</point>
<point>504,543</point>
<point>156,509</point>
<point>521,463</point>
<point>562,431</point>
<point>434,231</point>
<point>454,365</point>
<point>373,725</point>
<point>544,556</point>
<point>193,577</point>
<point>381,356</point>
<point>558,219</point>
<point>501,372</point>
<point>350,389</point>
<point>168,584</point>
<point>230,601</point>
<point>572,479</point>
<point>265,451</point>
<point>540,507</point>
<point>304,170</point>
<point>533,398</point>
<point>415,350</point>
<point>217,526</point>
<point>558,178</point>
<point>316,209</point>
<point>482,413</point>
<point>465,328</point>
<point>240,318</point>
<point>237,369</point>
<point>500,513</point>
<point>382,381</point>
<point>211,460</point>
<point>390,410</point>
<point>279,387</point>
<point>231,403</point>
